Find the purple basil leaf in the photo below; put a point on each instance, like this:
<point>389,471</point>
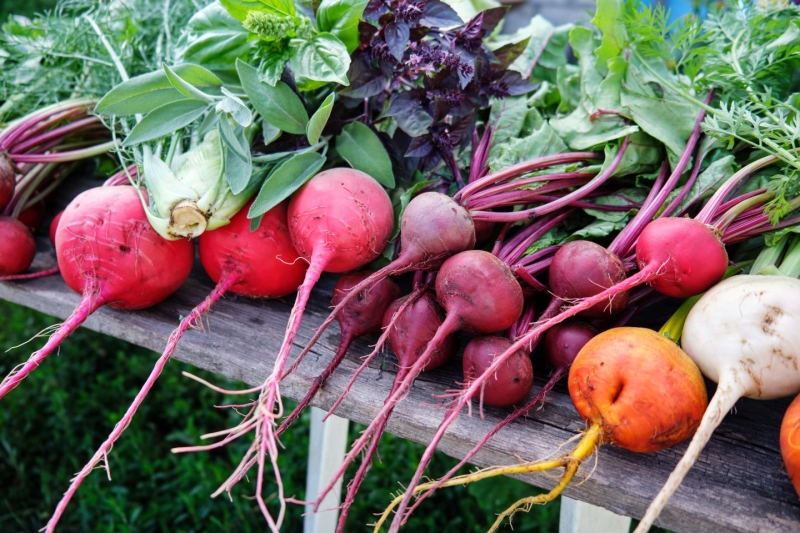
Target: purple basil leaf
<point>374,9</point>
<point>396,35</point>
<point>472,29</point>
<point>402,103</point>
<point>418,33</point>
<point>463,126</point>
<point>491,18</point>
<point>514,84</point>
<point>365,80</point>
<point>366,32</point>
<point>509,53</point>
<point>420,147</point>
<point>439,15</point>
<point>414,122</point>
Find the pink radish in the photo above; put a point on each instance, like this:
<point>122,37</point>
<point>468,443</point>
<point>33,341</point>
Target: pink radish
<point>17,247</point>
<point>433,228</point>
<point>409,335</point>
<point>361,316</point>
<point>479,294</point>
<point>512,381</point>
<point>108,253</point>
<point>54,227</point>
<point>258,264</point>
<point>677,256</point>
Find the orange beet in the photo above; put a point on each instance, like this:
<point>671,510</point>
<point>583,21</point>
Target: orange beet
<point>645,392</point>
<point>790,442</point>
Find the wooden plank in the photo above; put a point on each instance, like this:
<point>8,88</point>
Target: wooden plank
<point>738,484</point>
<point>581,517</point>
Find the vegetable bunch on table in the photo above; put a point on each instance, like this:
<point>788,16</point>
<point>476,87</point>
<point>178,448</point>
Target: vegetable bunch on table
<point>535,203</point>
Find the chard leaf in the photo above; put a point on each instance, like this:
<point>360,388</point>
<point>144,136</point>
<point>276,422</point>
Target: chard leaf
<point>362,148</point>
<point>507,118</point>
<point>546,45</point>
<point>323,58</point>
<point>214,39</point>
<point>468,9</point>
<point>543,141</point>
<point>623,197</point>
<point>285,180</point>
<point>553,237</point>
<point>608,19</point>
<point>278,105</point>
<point>319,119</point>
<point>165,120</point>
<point>144,93</point>
<point>340,18</point>
<point>597,229</point>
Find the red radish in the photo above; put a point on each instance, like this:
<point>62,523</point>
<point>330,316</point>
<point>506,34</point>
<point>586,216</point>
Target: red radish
<point>433,228</point>
<point>109,253</point>
<point>17,247</point>
<point>340,220</point>
<point>479,294</point>
<point>744,334</point>
<point>361,316</point>
<point>258,264</point>
<point>409,335</point>
<point>581,269</point>
<point>677,256</point>
<point>54,227</point>
<point>635,389</point>
<point>33,216</point>
<point>512,381</point>
<point>8,181</point>
<point>790,442</point>
<point>561,345</point>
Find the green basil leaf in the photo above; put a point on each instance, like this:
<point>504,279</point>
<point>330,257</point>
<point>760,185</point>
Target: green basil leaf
<point>285,180</point>
<point>165,120</point>
<point>214,39</point>
<point>323,58</point>
<point>340,18</point>
<point>362,148</point>
<point>317,122</point>
<point>145,93</point>
<point>185,88</point>
<point>239,8</point>
<point>278,105</point>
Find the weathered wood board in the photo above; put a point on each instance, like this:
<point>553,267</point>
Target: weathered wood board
<point>738,483</point>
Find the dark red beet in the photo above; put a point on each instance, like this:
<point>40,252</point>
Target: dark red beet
<point>563,341</point>
<point>413,330</point>
<point>581,269</point>
<point>510,384</point>
<point>17,247</point>
<point>484,229</point>
<point>54,227</point>
<point>33,216</point>
<point>8,181</point>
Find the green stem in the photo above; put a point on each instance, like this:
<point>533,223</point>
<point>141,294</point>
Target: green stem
<point>769,256</point>
<point>790,266</point>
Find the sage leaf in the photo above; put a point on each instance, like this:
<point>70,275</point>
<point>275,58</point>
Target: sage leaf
<point>165,120</point>
<point>319,119</point>
<point>278,105</point>
<point>362,148</point>
<point>185,88</point>
<point>285,180</point>
<point>234,106</point>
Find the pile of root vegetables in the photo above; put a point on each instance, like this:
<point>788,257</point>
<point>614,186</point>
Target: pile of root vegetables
<point>479,195</point>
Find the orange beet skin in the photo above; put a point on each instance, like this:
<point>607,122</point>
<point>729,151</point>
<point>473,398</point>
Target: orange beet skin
<point>646,393</point>
<point>790,442</point>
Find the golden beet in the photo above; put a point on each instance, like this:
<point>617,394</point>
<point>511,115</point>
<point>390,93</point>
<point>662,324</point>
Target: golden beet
<point>790,442</point>
<point>642,389</point>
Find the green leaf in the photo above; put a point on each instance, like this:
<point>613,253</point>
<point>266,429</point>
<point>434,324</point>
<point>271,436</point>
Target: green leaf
<point>340,18</point>
<point>165,120</point>
<point>185,88</point>
<point>145,93</point>
<point>608,19</point>
<point>234,139</point>
<point>598,229</point>
<point>269,132</point>
<point>239,8</point>
<point>544,141</point>
<point>362,148</point>
<point>285,180</point>
<point>237,170</point>
<point>214,39</point>
<point>467,9</point>
<point>234,106</point>
<point>319,119</point>
<point>255,222</point>
<point>621,197</point>
<point>278,105</point>
<point>323,58</point>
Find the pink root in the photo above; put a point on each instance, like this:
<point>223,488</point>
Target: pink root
<point>31,275</point>
<point>102,452</point>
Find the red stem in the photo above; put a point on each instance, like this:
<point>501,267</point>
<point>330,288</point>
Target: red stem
<point>54,133</point>
<point>225,283</point>
<point>31,275</point>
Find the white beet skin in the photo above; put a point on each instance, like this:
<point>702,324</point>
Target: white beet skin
<point>744,334</point>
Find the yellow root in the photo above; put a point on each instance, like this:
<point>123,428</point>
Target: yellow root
<point>570,462</point>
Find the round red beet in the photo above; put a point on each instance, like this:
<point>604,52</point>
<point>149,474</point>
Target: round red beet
<point>511,383</point>
<point>17,247</point>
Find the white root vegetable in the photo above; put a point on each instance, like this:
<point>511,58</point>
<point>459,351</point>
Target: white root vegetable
<point>744,334</point>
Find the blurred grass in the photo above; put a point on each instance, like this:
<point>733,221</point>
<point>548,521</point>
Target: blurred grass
<point>51,424</point>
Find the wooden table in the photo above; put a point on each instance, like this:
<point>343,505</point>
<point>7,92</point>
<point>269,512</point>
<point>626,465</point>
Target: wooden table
<point>738,483</point>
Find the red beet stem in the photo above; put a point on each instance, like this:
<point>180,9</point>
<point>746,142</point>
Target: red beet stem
<point>102,452</point>
<point>90,302</point>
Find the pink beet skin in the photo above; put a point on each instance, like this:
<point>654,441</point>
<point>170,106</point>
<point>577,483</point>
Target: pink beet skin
<point>363,314</point>
<point>510,384</point>
<point>361,220</point>
<point>17,247</point>
<point>265,261</point>
<point>105,243</point>
<point>563,341</point>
